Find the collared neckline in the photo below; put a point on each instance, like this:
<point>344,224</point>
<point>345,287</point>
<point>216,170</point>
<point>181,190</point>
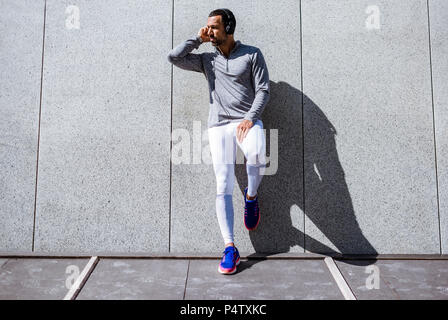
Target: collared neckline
<point>237,44</point>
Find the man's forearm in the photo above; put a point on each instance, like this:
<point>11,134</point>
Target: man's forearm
<point>184,48</point>
<point>182,58</point>
<point>258,105</point>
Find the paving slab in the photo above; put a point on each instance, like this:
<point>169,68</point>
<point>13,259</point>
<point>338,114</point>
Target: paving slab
<point>37,279</point>
<point>268,279</point>
<point>399,279</point>
<point>131,279</point>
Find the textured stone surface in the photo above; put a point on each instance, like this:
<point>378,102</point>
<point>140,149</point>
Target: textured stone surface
<point>370,180</point>
<point>41,279</point>
<point>21,27</point>
<point>136,279</point>
<point>104,151</point>
<point>400,280</point>
<point>194,223</point>
<point>104,168</point>
<point>255,279</point>
<point>438,17</point>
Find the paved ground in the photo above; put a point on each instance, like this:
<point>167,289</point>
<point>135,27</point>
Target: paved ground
<point>196,278</point>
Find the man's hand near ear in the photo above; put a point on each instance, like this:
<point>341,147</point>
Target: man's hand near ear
<point>203,33</point>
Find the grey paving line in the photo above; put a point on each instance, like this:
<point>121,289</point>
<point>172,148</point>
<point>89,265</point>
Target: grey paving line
<point>182,256</point>
<point>244,255</point>
<point>4,263</point>
<point>186,280</point>
<point>82,279</point>
<point>340,281</point>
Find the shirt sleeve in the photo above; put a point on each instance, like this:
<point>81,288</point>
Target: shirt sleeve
<point>260,82</point>
<point>181,57</point>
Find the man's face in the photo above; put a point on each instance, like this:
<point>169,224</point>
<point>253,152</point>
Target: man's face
<point>216,31</point>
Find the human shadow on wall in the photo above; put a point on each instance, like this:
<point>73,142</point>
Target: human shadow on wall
<point>327,204</point>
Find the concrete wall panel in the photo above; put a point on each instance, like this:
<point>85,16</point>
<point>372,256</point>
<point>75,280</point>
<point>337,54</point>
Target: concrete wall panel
<point>370,179</point>
<point>104,161</point>
<point>21,29</point>
<point>274,27</point>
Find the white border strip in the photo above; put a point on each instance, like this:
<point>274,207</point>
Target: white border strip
<point>340,281</point>
<point>82,278</point>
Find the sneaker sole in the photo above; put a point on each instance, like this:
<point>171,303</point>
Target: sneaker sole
<point>231,271</point>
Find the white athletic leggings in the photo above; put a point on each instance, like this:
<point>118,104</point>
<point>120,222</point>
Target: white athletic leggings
<point>223,142</point>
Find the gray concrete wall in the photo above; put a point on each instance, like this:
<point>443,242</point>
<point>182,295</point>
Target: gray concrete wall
<point>104,168</point>
<point>21,29</point>
<point>368,128</point>
<point>356,121</point>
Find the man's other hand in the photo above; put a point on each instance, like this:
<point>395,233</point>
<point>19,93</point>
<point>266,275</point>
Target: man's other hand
<point>243,129</point>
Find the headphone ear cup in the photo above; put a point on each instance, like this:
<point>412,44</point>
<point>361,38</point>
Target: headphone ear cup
<point>229,27</point>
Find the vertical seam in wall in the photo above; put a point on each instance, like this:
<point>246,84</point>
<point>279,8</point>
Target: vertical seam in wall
<point>171,127</point>
<point>38,127</point>
<point>434,126</point>
<point>303,136</point>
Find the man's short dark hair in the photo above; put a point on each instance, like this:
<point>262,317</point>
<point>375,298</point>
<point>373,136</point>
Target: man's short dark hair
<point>225,18</point>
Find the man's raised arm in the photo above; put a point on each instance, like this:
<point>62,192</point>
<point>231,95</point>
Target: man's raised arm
<point>181,57</point>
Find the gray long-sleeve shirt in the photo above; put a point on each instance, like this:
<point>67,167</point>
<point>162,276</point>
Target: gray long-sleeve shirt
<point>238,85</point>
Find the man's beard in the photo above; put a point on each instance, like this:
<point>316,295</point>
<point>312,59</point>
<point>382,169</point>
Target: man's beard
<point>217,42</point>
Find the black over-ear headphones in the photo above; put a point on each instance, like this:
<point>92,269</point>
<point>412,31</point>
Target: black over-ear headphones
<point>229,27</point>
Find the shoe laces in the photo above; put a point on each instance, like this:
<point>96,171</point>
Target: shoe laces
<point>229,253</point>
<point>254,204</point>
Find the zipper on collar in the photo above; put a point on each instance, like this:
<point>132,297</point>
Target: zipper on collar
<point>227,59</point>
<point>230,54</point>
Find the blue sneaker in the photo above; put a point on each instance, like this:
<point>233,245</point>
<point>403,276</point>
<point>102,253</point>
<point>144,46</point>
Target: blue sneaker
<point>229,261</point>
<point>251,212</point>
